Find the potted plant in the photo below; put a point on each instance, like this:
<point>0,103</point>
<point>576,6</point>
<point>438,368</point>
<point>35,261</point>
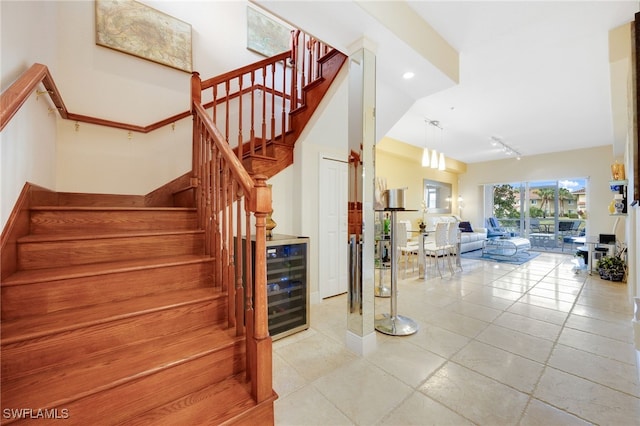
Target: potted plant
<point>613,267</point>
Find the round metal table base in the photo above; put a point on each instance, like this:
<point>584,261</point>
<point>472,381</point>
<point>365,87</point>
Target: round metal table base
<point>396,326</point>
<point>382,291</point>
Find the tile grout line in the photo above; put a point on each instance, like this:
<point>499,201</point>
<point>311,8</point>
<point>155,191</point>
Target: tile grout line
<point>546,363</point>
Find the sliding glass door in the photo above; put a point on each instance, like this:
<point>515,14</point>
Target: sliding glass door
<point>552,214</point>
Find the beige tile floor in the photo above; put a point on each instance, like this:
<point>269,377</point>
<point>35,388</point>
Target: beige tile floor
<point>535,344</point>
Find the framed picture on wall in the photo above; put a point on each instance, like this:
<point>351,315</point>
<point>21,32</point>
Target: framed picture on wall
<point>139,30</point>
<point>265,35</point>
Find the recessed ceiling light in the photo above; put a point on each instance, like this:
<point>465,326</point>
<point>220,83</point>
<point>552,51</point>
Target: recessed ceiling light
<point>408,75</point>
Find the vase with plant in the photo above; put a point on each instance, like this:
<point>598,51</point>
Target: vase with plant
<point>613,267</point>
<point>422,222</point>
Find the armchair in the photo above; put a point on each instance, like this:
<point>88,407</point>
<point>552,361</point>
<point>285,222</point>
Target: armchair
<point>494,229</point>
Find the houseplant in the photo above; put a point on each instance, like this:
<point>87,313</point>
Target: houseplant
<point>613,267</point>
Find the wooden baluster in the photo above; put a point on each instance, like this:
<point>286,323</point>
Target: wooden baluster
<point>227,107</point>
<point>202,173</point>
<point>312,62</point>
<point>252,136</point>
<point>196,155</point>
<point>283,125</point>
<point>264,110</point>
<point>316,60</point>
<point>303,65</point>
<point>239,312</point>
<point>214,112</point>
<point>248,290</point>
<point>295,35</point>
<point>224,201</point>
<point>231,273</point>
<point>273,104</point>
<point>240,141</point>
<point>217,252</point>
<point>209,148</point>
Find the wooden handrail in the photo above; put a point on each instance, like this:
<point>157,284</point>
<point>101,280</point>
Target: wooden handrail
<point>15,96</point>
<point>243,70</point>
<point>240,173</point>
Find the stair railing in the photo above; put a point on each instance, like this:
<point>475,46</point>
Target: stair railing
<point>14,97</point>
<point>251,106</point>
<point>226,198</point>
<point>252,103</point>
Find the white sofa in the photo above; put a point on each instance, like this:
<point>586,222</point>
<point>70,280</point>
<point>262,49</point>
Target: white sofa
<point>469,241</point>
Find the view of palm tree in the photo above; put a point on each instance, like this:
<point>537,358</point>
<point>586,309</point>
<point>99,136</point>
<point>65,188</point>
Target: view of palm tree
<point>549,210</point>
<point>546,195</point>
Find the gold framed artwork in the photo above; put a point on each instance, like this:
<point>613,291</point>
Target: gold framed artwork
<point>266,36</point>
<point>139,30</point>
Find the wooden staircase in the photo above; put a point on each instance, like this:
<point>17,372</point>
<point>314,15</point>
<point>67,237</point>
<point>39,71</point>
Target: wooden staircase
<point>113,317</point>
<point>148,309</point>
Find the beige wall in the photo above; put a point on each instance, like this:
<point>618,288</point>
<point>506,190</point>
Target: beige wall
<point>400,164</point>
<point>593,164</point>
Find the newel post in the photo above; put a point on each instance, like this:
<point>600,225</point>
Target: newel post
<point>196,97</point>
<point>260,346</point>
<point>196,89</point>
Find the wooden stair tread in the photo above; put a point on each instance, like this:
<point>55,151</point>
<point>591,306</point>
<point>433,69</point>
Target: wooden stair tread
<point>86,270</point>
<point>110,369</point>
<point>213,405</point>
<point>71,236</point>
<point>57,322</point>
<point>115,209</point>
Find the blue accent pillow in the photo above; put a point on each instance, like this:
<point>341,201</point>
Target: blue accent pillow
<point>465,227</point>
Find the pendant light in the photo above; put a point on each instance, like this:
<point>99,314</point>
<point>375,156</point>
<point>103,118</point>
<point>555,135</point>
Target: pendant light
<point>434,159</point>
<point>425,157</point>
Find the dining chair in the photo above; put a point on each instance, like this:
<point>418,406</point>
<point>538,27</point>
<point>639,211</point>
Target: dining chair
<point>452,240</point>
<point>440,246</point>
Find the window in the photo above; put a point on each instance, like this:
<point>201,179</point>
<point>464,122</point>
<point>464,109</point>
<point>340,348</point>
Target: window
<point>538,207</point>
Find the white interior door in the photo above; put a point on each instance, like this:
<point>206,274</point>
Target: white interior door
<point>332,219</point>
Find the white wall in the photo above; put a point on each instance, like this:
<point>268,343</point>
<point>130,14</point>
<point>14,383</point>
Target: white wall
<point>27,147</point>
<point>296,190</point>
<point>591,163</point>
<point>103,83</point>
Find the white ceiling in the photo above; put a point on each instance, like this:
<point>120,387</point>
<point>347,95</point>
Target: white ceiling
<point>534,74</point>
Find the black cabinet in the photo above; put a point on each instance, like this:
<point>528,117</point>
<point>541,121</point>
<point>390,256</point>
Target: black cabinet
<point>287,284</point>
